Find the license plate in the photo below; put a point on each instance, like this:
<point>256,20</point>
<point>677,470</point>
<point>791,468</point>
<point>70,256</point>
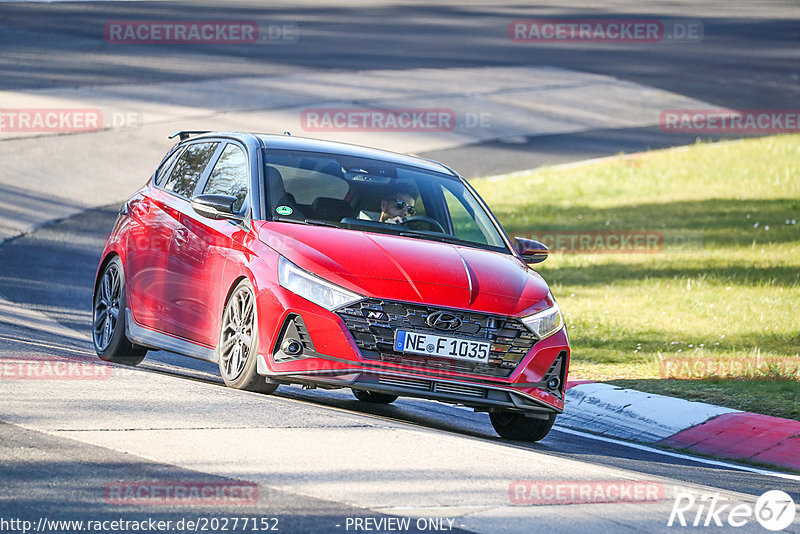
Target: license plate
<point>442,346</point>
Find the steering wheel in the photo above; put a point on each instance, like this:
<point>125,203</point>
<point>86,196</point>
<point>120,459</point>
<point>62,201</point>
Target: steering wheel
<point>433,224</point>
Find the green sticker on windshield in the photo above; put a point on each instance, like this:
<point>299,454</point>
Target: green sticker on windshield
<point>284,210</point>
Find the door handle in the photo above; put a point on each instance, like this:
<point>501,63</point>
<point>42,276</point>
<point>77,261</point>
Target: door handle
<point>139,208</point>
<point>182,236</point>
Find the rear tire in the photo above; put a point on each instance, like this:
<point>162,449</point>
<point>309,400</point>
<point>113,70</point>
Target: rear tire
<point>237,351</point>
<point>516,426</point>
<point>108,318</point>
<point>371,396</point>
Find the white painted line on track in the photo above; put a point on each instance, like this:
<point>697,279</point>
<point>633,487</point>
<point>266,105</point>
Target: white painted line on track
<point>563,166</point>
<point>14,314</point>
<point>698,459</point>
<point>593,161</point>
<point>14,339</point>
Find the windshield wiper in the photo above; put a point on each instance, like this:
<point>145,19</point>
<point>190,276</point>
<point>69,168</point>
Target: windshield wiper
<point>446,238</point>
<point>436,237</point>
<point>318,222</point>
<point>287,219</point>
<point>314,222</point>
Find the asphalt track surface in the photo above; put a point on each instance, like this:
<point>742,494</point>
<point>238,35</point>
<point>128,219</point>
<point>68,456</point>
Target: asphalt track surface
<point>746,60</point>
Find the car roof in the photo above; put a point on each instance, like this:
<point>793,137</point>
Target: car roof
<point>290,142</point>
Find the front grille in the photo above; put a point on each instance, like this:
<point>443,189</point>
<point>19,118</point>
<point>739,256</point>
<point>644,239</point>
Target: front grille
<point>400,382</point>
<point>458,389</point>
<point>373,323</point>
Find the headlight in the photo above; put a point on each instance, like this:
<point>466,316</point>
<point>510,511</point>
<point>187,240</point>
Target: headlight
<point>546,322</point>
<point>313,288</point>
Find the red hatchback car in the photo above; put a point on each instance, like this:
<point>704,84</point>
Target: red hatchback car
<point>297,261</point>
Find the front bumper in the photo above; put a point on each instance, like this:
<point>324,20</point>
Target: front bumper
<point>333,357</point>
<point>479,396</point>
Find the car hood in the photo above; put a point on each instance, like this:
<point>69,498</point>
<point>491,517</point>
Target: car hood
<point>412,270</point>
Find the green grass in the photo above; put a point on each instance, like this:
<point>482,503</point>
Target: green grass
<point>725,286</point>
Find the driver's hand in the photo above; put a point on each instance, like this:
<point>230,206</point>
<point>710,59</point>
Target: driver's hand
<point>394,220</point>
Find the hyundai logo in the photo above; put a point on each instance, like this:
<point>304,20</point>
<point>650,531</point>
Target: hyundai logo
<point>444,321</point>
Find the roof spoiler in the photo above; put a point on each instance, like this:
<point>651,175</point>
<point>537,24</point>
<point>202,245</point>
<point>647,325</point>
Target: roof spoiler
<point>184,134</point>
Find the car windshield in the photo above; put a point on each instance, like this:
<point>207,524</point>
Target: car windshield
<point>376,196</point>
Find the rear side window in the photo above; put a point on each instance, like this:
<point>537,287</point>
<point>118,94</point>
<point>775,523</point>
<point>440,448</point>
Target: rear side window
<point>163,170</point>
<point>230,176</point>
<point>189,168</point>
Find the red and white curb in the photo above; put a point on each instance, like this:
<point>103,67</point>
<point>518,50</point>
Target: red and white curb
<point>744,435</point>
<point>704,428</point>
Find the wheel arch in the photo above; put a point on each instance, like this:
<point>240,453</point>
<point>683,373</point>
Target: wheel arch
<point>233,286</point>
<point>108,258</point>
<point>259,274</point>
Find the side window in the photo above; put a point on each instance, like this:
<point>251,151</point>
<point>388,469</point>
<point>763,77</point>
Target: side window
<point>189,168</point>
<point>464,226</point>
<point>164,169</point>
<point>230,176</point>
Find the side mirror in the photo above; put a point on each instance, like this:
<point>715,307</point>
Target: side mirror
<point>215,206</point>
<point>530,250</point>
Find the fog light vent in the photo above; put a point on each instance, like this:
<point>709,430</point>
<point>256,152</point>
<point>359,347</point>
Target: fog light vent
<point>554,377</point>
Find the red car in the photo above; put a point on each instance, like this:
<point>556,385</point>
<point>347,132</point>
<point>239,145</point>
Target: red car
<point>297,261</point>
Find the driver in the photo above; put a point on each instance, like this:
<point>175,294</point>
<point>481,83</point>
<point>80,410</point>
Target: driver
<point>398,204</point>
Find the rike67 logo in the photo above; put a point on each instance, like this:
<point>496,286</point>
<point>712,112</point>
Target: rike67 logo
<point>774,510</point>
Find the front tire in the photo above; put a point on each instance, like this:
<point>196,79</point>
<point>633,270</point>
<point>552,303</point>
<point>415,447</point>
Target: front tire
<point>516,426</point>
<point>108,318</point>
<point>371,396</point>
<point>238,343</point>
